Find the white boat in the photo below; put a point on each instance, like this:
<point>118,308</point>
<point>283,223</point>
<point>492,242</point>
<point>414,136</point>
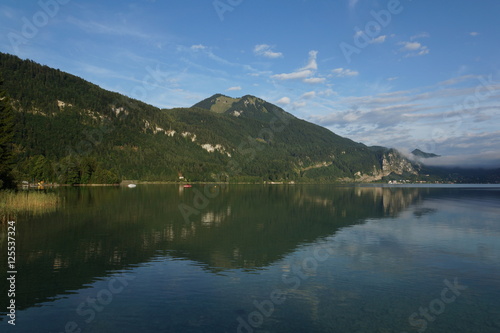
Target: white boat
<point>131,185</point>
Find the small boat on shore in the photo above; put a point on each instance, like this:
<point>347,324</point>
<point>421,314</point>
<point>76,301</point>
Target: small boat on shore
<point>131,185</point>
<point>187,185</point>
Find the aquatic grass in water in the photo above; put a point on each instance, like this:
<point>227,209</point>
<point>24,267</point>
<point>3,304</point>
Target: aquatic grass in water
<point>13,203</point>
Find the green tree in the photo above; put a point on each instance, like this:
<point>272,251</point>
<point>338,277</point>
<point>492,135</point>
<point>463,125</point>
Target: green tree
<point>41,169</point>
<point>6,137</point>
<point>88,166</point>
<point>68,170</point>
<point>104,176</point>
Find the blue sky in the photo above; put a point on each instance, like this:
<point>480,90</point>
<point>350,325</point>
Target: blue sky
<point>405,74</point>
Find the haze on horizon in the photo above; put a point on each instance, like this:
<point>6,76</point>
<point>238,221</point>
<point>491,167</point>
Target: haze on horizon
<point>404,74</point>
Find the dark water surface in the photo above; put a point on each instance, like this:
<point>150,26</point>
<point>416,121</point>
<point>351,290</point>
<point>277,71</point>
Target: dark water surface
<point>247,258</point>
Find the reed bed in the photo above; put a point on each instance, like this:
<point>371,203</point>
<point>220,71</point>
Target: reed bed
<point>13,203</point>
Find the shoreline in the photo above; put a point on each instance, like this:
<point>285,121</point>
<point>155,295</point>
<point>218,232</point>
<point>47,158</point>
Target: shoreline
<point>126,183</point>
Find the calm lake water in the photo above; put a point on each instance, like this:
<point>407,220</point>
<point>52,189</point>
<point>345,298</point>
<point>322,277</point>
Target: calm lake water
<point>246,258</point>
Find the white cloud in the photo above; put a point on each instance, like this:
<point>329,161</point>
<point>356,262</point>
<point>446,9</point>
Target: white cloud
<point>423,51</point>
<point>378,40</point>
<point>309,95</point>
<point>327,92</point>
<point>301,73</point>
<point>413,49</point>
<point>314,80</point>
<point>459,79</point>
<point>108,28</point>
<point>435,118</point>
<point>352,116</point>
<point>343,72</point>
<point>411,46</point>
<point>473,33</point>
<point>392,78</point>
<point>420,35</point>
<point>259,73</point>
<point>283,101</point>
<point>293,76</point>
<point>299,104</point>
<point>352,3</point>
<point>236,88</point>
<point>266,51</point>
<point>198,47</point>
<point>311,64</point>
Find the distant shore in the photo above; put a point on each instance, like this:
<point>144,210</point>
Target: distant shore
<point>127,182</point>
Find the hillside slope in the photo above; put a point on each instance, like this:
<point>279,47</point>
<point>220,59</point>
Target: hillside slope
<point>69,130</point>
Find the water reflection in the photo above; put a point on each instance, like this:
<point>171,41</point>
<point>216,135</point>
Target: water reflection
<point>103,230</point>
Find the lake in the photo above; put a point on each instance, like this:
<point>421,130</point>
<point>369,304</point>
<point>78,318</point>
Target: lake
<point>259,258</point>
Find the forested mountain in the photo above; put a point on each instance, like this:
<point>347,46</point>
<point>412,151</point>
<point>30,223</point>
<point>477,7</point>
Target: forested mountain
<point>6,138</point>
<point>69,130</point>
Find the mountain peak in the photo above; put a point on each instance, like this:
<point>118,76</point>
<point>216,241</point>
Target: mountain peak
<point>418,153</point>
<point>217,103</point>
<point>247,106</point>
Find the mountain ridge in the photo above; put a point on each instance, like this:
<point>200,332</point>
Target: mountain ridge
<point>69,130</point>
